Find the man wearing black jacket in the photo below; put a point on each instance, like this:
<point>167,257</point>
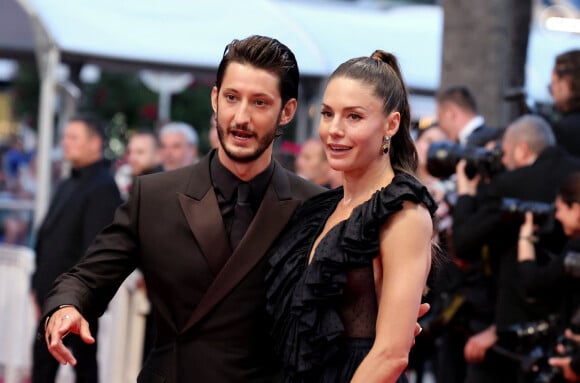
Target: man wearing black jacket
<point>536,167</point>
<point>82,205</point>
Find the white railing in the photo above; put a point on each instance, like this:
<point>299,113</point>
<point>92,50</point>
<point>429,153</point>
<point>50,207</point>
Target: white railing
<point>121,333</point>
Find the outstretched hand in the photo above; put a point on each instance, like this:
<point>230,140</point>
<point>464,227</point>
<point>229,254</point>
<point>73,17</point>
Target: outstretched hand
<point>62,322</point>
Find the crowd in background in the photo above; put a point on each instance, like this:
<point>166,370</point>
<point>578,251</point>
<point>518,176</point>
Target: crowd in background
<point>506,295</point>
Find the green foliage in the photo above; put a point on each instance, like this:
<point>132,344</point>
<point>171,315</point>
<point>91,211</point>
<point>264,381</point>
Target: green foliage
<point>25,92</point>
<point>193,106</point>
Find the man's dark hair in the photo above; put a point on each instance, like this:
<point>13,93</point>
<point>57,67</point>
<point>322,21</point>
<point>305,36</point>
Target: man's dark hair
<point>458,95</point>
<point>264,53</point>
<point>93,123</point>
<point>570,189</point>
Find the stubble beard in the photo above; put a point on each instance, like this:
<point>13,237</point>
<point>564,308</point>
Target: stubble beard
<point>264,143</point>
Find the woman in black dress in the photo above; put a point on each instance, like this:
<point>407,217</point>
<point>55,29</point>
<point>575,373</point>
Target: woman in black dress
<point>347,277</point>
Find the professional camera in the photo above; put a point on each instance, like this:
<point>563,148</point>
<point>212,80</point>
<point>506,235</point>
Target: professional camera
<point>543,212</point>
<point>442,157</point>
<point>572,264</point>
<point>532,344</point>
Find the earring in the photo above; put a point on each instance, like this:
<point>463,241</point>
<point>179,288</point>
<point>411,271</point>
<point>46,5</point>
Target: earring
<point>386,144</point>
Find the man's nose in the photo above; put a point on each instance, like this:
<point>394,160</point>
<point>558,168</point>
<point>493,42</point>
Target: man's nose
<point>242,116</point>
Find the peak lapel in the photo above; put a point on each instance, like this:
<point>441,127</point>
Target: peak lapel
<point>202,212</point>
<point>205,221</point>
<point>272,216</point>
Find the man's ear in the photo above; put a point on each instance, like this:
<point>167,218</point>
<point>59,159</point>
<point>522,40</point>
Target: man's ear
<point>288,112</point>
<point>214,97</point>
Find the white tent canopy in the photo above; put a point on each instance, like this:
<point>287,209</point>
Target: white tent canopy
<point>191,35</point>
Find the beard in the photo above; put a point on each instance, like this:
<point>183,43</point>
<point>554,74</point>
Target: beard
<point>264,143</point>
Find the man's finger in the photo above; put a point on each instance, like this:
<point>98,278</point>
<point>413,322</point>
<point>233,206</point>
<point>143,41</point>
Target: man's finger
<point>423,309</point>
<point>418,329</point>
<point>58,350</point>
<point>85,333</point>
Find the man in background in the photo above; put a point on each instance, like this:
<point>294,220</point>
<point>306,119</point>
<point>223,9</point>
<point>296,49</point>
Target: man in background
<point>179,145</point>
<point>458,117</point>
<point>82,205</point>
<point>143,153</point>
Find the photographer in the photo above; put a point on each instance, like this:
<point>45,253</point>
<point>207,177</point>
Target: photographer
<point>535,166</point>
<point>563,270</point>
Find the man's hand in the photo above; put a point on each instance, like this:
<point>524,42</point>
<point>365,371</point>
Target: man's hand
<point>465,186</point>
<point>564,364</point>
<point>62,322</point>
<point>478,344</point>
<point>423,309</point>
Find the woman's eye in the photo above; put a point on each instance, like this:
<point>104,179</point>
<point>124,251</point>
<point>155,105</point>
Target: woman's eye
<point>354,116</point>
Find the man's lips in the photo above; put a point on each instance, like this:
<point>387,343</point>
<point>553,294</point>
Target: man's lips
<point>241,134</point>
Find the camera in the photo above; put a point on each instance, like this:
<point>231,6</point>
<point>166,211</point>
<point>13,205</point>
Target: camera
<point>442,157</point>
<point>543,212</point>
<point>572,264</point>
<point>532,344</point>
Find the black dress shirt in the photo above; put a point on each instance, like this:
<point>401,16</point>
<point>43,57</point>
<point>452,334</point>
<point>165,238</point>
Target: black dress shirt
<point>225,185</point>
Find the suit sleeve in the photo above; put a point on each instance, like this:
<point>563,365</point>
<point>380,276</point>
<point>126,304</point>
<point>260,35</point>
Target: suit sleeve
<point>110,258</point>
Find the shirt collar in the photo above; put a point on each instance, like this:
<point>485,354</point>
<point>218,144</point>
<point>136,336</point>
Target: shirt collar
<point>226,182</point>
<point>86,170</point>
<point>471,125</point>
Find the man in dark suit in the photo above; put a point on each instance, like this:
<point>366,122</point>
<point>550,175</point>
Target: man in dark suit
<point>458,118</point>
<point>182,229</point>
<point>83,204</point>
<point>535,169</point>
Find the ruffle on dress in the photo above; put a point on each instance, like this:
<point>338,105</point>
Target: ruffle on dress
<point>304,300</point>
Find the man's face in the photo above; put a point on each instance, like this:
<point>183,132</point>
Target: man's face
<point>79,145</point>
<point>249,109</point>
<point>176,152</point>
<point>311,163</point>
<point>142,154</point>
<point>512,152</point>
<point>445,120</point>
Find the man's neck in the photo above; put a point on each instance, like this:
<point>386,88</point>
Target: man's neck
<point>246,170</point>
<point>470,123</point>
<point>86,162</point>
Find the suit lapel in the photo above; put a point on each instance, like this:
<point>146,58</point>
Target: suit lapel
<point>201,210</point>
<point>205,222</point>
<point>275,210</point>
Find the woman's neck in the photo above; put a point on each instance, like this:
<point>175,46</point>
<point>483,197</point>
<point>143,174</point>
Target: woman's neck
<point>360,185</point>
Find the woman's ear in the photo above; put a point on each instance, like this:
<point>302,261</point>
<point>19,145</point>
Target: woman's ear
<point>392,124</point>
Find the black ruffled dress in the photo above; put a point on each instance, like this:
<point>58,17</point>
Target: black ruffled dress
<point>324,314</point>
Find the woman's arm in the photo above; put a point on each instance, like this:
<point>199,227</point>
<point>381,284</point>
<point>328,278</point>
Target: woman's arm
<point>400,272</point>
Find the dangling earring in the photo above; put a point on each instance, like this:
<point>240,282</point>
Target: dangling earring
<point>386,144</point>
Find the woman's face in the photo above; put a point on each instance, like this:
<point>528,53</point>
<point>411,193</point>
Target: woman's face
<point>353,125</point>
<point>569,217</point>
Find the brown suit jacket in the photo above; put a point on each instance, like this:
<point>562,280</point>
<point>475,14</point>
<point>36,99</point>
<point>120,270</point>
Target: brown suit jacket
<point>211,320</point>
